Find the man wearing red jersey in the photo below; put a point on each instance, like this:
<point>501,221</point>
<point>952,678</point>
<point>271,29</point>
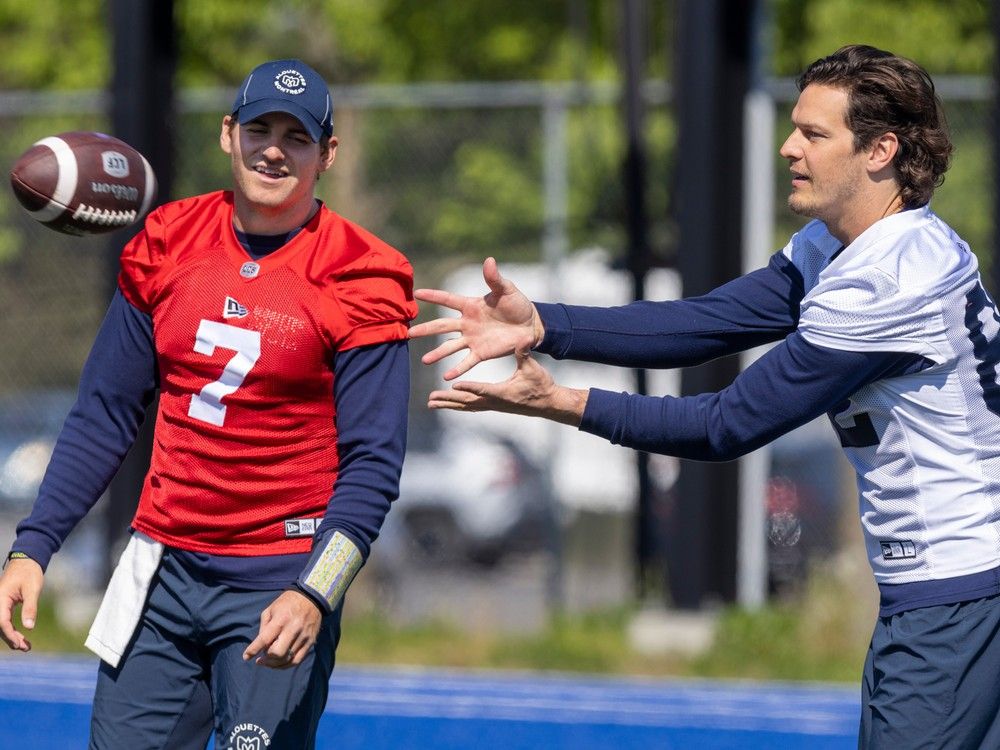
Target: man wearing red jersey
<point>275,333</point>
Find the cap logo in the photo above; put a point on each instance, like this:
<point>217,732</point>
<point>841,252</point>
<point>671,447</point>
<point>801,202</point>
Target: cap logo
<point>290,81</point>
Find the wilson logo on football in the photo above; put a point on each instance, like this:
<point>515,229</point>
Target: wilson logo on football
<point>233,309</point>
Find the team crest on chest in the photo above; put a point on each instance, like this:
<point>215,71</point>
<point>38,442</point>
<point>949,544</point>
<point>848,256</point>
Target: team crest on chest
<point>249,270</point>
<point>233,309</point>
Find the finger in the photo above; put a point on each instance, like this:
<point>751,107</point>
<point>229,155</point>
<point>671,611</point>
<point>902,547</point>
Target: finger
<point>444,349</point>
<point>280,654</point>
<point>436,327</point>
<point>455,405</point>
<point>265,636</point>
<point>462,367</point>
<point>454,399</point>
<point>300,652</point>
<point>441,297</point>
<point>276,655</point>
<point>29,609</point>
<point>492,277</point>
<point>257,645</point>
<point>284,661</point>
<point>473,387</point>
<point>9,633</point>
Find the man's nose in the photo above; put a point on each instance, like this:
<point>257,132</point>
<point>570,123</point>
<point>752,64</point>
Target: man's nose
<point>273,151</point>
<point>789,149</point>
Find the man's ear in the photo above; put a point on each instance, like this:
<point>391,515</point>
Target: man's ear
<point>328,155</point>
<point>882,152</point>
<point>226,136</point>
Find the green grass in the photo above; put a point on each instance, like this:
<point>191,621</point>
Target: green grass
<point>821,634</point>
<point>49,634</point>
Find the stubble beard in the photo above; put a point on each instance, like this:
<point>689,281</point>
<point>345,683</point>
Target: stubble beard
<point>808,205</point>
<point>801,205</point>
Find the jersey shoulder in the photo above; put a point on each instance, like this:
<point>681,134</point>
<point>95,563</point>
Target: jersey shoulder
<point>369,282</point>
<point>170,233</point>
<point>350,249</point>
<point>915,252</point>
<point>810,250</point>
<point>891,288</point>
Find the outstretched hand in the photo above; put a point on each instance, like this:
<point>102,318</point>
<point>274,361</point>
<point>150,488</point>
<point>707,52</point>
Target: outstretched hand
<point>502,322</point>
<point>530,391</point>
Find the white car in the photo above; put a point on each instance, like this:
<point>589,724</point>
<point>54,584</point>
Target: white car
<point>475,496</point>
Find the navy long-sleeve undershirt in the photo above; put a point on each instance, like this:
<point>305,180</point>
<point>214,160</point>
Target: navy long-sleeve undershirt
<point>118,382</point>
<point>790,385</point>
<point>758,308</point>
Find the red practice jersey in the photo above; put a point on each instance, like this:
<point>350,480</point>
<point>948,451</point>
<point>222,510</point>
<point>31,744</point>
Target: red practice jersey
<point>245,435</point>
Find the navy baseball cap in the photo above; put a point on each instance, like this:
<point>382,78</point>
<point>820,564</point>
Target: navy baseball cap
<point>286,86</point>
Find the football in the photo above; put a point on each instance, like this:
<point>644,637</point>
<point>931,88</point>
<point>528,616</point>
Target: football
<point>83,183</point>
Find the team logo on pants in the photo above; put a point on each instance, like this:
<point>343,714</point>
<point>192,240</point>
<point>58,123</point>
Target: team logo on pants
<point>248,737</point>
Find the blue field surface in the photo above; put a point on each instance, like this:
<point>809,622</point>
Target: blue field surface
<point>45,704</point>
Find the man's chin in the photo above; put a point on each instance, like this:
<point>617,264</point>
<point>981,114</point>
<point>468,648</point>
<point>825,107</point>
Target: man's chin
<point>798,206</point>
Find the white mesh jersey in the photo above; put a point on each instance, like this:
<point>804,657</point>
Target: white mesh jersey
<point>926,445</point>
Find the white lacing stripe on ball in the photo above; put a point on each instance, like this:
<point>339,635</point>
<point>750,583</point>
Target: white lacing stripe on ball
<point>103,216</point>
<point>147,194</point>
<point>65,185</point>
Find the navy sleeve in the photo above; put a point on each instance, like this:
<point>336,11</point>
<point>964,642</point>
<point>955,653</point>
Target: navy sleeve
<point>371,392</point>
<point>118,382</point>
<point>755,309</point>
<point>788,386</point>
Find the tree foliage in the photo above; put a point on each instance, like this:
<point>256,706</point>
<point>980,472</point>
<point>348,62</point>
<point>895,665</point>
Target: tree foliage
<point>355,41</point>
<point>54,45</point>
<point>945,36</point>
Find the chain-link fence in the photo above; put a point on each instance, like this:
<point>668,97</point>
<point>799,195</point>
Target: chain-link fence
<point>500,520</point>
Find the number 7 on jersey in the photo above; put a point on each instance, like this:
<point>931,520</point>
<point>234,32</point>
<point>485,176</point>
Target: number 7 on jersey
<point>207,405</point>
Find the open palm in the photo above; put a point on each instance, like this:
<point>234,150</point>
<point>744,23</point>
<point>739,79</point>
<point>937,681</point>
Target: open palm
<point>500,323</point>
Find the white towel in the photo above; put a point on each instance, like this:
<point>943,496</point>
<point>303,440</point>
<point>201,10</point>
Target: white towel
<point>124,599</point>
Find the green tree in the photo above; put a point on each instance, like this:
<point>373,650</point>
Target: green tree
<point>54,45</point>
<point>945,36</point>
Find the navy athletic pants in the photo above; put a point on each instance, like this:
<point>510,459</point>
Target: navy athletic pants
<point>932,679</point>
<point>184,675</point>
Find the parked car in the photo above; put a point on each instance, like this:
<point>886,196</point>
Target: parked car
<point>29,424</point>
<point>474,496</point>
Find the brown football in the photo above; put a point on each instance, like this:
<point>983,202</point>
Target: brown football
<point>83,183</point>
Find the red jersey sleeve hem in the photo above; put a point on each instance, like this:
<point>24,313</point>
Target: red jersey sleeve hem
<point>376,333</point>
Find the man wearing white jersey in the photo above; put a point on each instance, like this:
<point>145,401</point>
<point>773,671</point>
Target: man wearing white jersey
<point>882,322</point>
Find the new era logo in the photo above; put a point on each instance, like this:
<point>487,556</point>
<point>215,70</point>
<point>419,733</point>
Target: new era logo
<point>298,527</point>
<point>233,309</point>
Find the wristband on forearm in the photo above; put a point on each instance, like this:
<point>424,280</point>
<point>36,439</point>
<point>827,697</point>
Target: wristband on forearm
<point>15,556</point>
<point>331,571</point>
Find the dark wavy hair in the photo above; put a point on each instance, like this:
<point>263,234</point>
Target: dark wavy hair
<point>887,93</point>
